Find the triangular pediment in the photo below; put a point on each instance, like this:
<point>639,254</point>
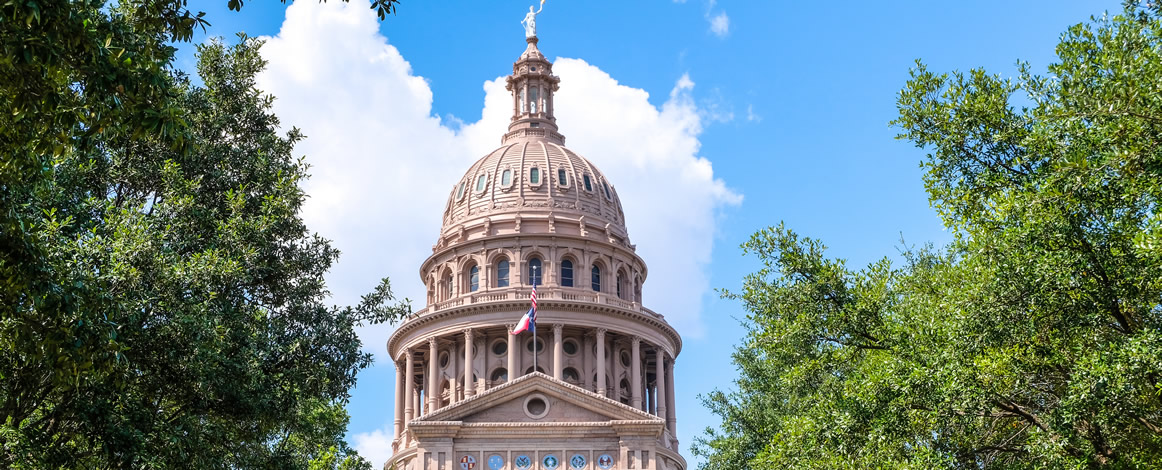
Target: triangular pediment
<point>563,402</point>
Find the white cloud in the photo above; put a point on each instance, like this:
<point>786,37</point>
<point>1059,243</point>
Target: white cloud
<point>383,165</point>
<point>751,115</point>
<point>374,446</point>
<point>719,24</point>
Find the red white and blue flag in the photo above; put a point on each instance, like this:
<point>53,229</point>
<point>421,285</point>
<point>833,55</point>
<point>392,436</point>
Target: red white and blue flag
<point>529,320</point>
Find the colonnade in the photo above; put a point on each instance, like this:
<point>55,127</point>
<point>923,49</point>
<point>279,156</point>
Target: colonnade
<point>420,370</point>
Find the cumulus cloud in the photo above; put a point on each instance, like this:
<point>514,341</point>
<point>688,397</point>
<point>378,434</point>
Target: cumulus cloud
<point>719,24</point>
<point>382,165</point>
<point>374,446</point>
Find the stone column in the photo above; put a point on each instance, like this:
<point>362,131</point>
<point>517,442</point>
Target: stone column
<point>410,386</point>
<point>399,398</point>
<point>601,390</point>
<point>558,351</point>
<point>433,369</point>
<point>618,369</point>
<point>586,370</point>
<point>671,408</point>
<point>660,381</point>
<point>513,352</point>
<point>635,370</point>
<point>469,384</point>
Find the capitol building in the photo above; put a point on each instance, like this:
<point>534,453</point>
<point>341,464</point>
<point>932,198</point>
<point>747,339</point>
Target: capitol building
<point>601,393</point>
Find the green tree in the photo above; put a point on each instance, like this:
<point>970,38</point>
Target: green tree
<point>166,308</point>
<point>1033,341</point>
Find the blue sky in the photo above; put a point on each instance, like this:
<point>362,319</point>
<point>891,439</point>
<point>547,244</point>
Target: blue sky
<point>786,103</point>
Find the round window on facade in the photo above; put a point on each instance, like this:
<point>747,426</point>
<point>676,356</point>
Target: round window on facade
<point>443,360</point>
<point>536,406</point>
<point>624,358</point>
<point>499,348</point>
<point>570,347</point>
<point>540,345</point>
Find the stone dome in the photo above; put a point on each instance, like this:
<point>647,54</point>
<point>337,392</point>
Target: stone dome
<point>535,177</point>
<point>534,227</point>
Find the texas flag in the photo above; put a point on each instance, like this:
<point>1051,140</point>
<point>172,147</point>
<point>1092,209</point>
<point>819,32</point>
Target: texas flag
<point>529,320</point>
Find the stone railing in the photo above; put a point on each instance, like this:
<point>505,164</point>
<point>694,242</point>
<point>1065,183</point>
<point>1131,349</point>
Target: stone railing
<point>508,294</point>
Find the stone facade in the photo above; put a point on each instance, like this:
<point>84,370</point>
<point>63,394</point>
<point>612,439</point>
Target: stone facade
<point>601,395</point>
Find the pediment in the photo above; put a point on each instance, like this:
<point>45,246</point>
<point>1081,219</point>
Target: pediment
<point>564,403</point>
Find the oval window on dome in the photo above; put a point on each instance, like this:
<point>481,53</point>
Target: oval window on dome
<point>608,195</point>
<point>534,175</point>
<point>562,178</point>
<point>588,184</point>
<point>481,182</point>
<point>460,191</point>
<point>506,178</point>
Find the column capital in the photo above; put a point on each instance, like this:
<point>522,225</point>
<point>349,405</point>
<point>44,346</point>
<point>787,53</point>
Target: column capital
<point>558,327</point>
<point>601,331</point>
<point>467,332</point>
<point>432,342</point>
<point>635,339</point>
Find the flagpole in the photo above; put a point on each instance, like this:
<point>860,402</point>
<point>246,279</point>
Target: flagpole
<point>536,340</point>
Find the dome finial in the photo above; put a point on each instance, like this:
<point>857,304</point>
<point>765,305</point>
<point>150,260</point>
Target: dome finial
<point>530,21</point>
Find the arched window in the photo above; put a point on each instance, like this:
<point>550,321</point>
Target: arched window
<point>474,279</point>
<point>446,286</point>
<point>502,273</point>
<point>571,375</point>
<point>562,178</point>
<point>566,273</point>
<point>535,271</point>
<point>480,182</point>
<point>588,185</point>
<point>460,191</point>
<point>620,284</point>
<point>499,375</point>
<point>596,278</point>
<point>534,175</point>
<point>608,195</point>
<point>506,178</point>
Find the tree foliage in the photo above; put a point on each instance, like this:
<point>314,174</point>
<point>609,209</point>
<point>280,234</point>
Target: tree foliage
<point>1033,341</point>
<point>161,300</point>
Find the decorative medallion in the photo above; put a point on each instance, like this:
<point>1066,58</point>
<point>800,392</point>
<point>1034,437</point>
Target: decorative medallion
<point>496,462</point>
<point>550,462</point>
<point>577,462</point>
<point>523,461</point>
<point>605,462</point>
<point>467,462</point>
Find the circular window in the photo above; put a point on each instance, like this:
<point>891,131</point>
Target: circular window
<point>624,358</point>
<point>540,345</point>
<point>536,406</point>
<point>570,347</point>
<point>499,348</point>
<point>443,360</point>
